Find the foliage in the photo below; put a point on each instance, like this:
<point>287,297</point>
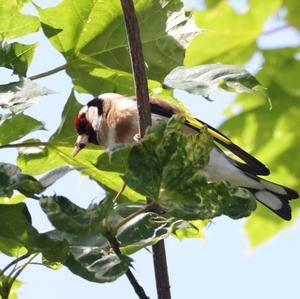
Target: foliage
<point>200,80</point>
<point>165,164</point>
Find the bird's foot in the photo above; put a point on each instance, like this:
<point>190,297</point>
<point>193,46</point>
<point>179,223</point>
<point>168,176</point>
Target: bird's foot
<point>137,137</point>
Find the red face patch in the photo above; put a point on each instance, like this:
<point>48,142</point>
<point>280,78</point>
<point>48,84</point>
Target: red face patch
<point>83,126</point>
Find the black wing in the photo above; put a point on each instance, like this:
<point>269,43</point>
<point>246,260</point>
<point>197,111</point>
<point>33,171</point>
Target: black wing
<point>251,165</point>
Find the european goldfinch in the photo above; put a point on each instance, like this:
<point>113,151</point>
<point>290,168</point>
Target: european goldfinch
<point>112,119</point>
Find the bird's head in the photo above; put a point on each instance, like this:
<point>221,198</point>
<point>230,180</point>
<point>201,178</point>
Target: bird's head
<point>87,123</point>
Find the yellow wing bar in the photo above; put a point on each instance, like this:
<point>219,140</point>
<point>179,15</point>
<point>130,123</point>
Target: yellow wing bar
<point>199,125</point>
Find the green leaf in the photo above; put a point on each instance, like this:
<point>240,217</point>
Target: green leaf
<point>17,57</point>
<point>165,166</point>
<point>292,16</point>
<point>197,199</point>
<point>13,290</point>
<point>21,3</point>
<point>271,223</point>
<point>51,265</point>
<point>16,198</point>
<point>114,160</point>
<point>92,38</point>
<point>13,23</point>
<point>18,96</point>
<point>191,229</point>
<point>142,231</point>
<point>91,257</point>
<point>11,179</point>
<point>201,79</point>
<point>233,43</point>
<point>90,264</point>
<point>17,233</point>
<point>272,136</point>
<point>17,127</point>
<point>212,3</point>
<point>68,217</point>
<point>60,152</point>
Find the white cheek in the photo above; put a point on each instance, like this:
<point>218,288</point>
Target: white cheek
<point>94,118</point>
<point>96,123</point>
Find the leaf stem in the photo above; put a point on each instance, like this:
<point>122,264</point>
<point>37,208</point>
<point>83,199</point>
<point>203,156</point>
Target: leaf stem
<point>119,194</point>
<point>50,72</point>
<point>144,112</point>
<point>8,283</point>
<point>15,261</point>
<point>133,281</point>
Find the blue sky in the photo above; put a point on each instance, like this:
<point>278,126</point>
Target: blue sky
<point>219,267</point>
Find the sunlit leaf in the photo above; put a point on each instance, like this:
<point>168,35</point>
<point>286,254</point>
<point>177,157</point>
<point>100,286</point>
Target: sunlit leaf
<point>13,23</point>
<point>92,38</point>
<point>51,265</point>
<point>21,3</point>
<point>191,229</point>
<point>292,16</point>
<point>230,36</point>
<point>272,136</point>
<point>16,198</point>
<point>212,3</point>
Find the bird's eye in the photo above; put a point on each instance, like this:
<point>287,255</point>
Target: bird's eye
<point>81,124</point>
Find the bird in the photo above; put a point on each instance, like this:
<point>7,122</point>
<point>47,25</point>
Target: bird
<point>111,119</point>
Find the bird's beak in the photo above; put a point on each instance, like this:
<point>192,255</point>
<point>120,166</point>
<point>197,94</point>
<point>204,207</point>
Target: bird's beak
<point>81,142</point>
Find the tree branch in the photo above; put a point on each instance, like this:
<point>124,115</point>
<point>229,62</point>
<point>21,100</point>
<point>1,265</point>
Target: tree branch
<point>138,289</point>
<point>142,96</point>
<point>138,66</point>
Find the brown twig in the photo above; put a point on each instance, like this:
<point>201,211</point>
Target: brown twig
<point>138,289</point>
<point>142,96</point>
<point>138,66</point>
<point>162,285</point>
